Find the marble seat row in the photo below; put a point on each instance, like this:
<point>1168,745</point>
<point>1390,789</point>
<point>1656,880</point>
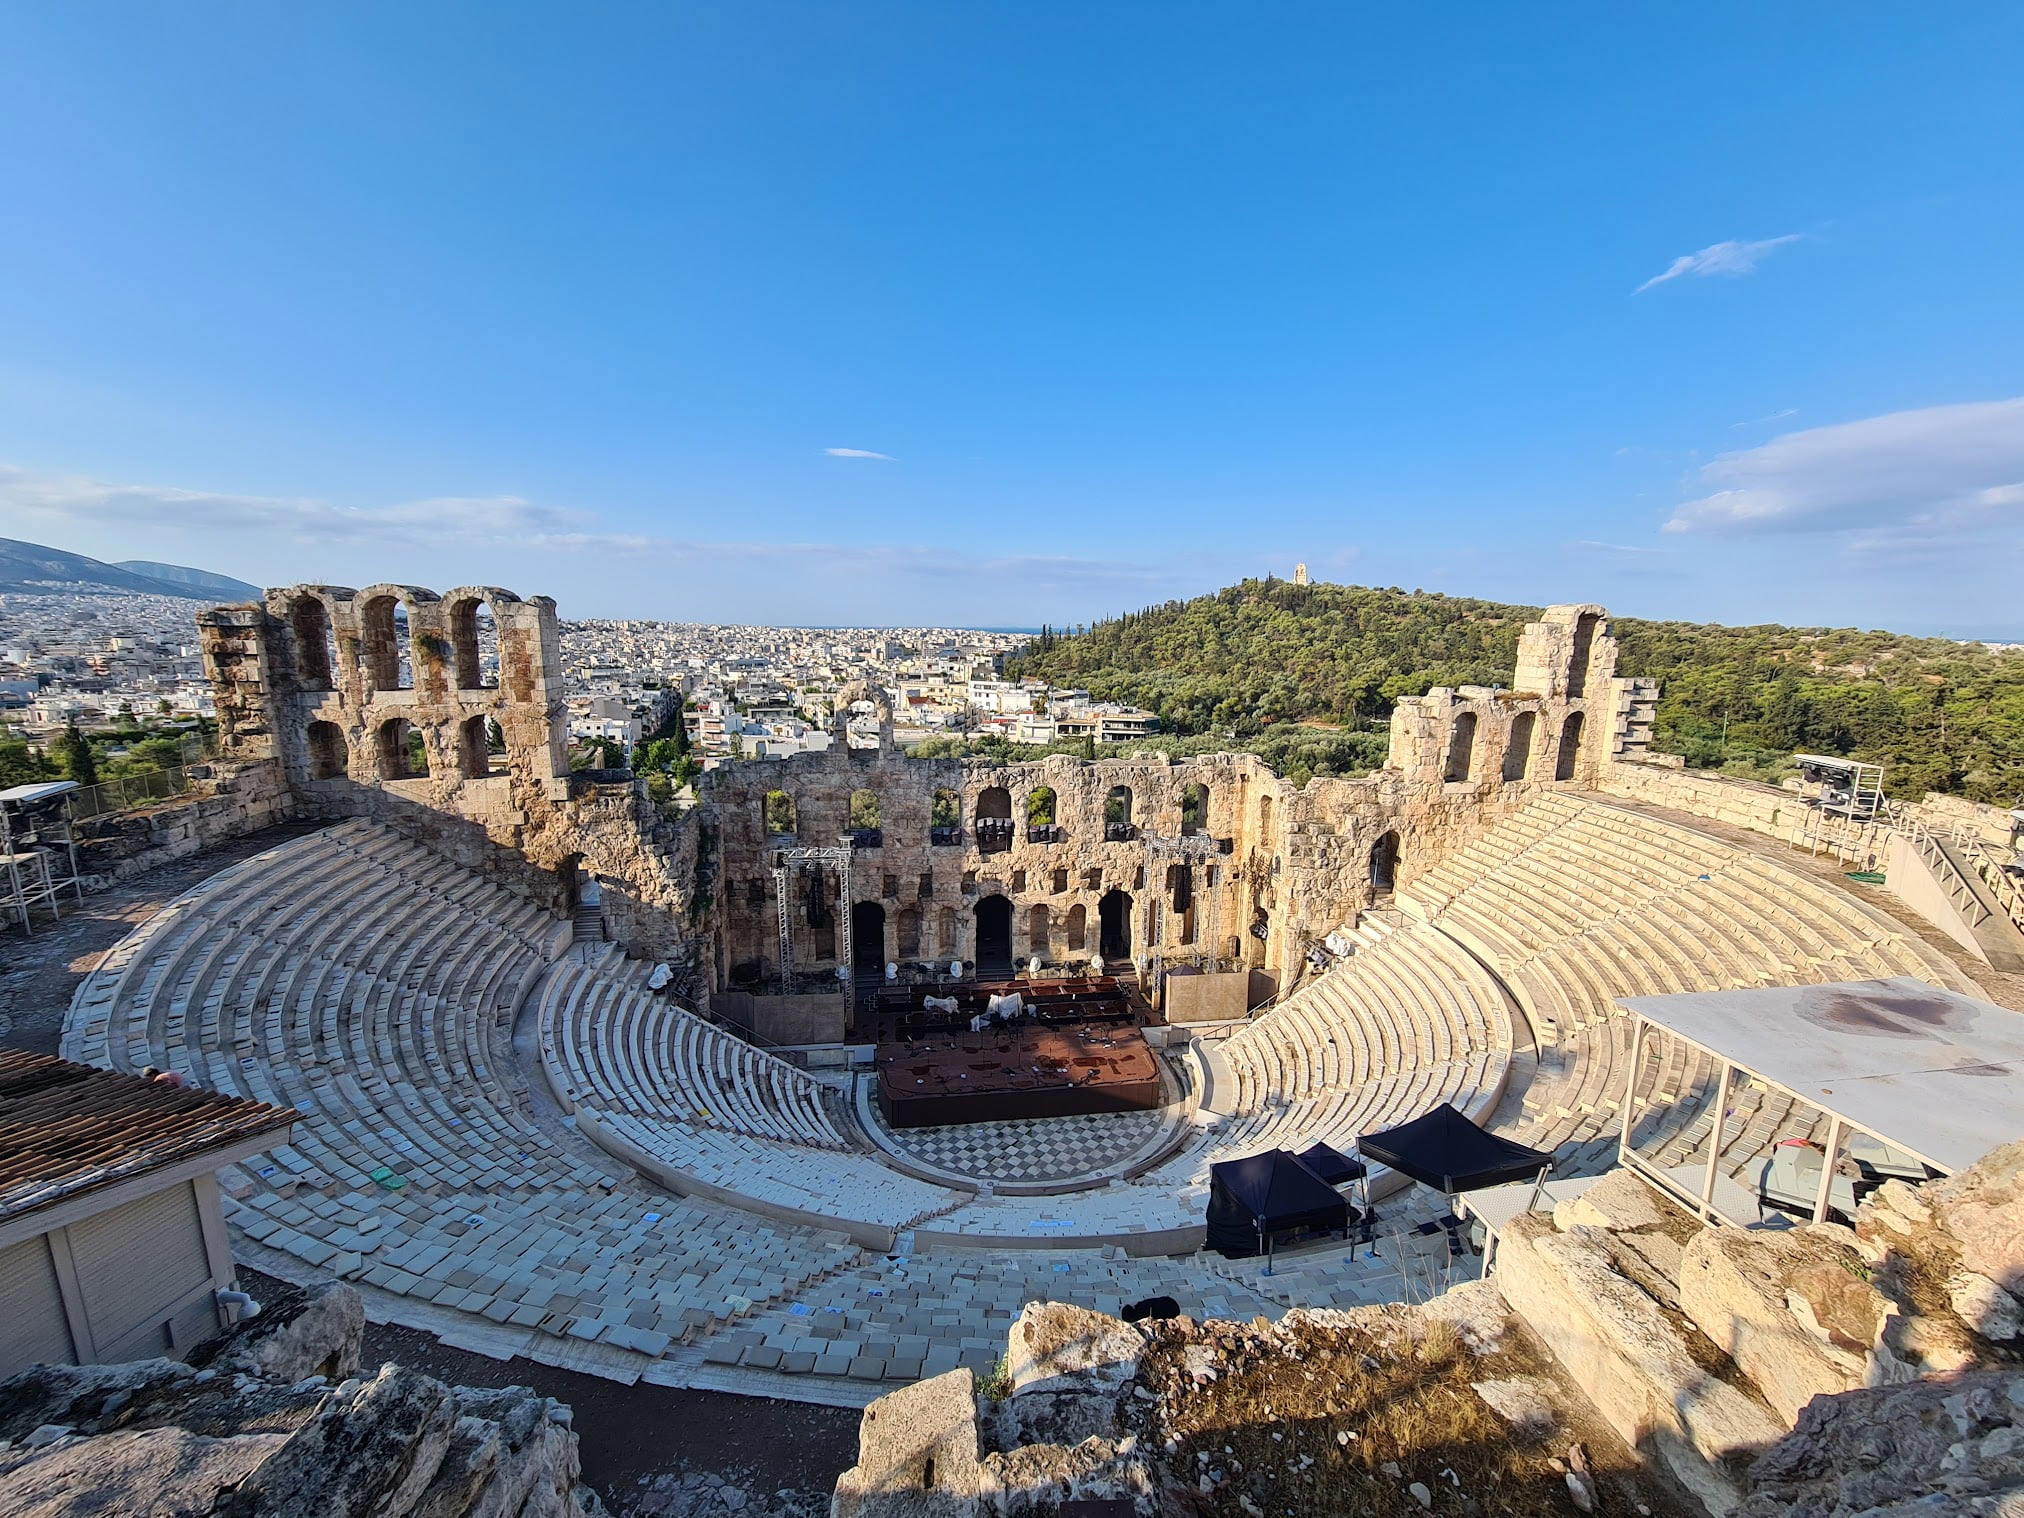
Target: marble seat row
<point>611,1045</point>
<point>1575,903</point>
<point>369,984</point>
<point>659,1085</point>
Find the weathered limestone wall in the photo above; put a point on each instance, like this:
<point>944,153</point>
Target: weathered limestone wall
<point>1055,876</point>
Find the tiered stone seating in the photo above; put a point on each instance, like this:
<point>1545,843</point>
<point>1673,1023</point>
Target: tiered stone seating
<point>370,984</point>
<point>1407,1022</point>
<point>708,1106</point>
<point>1574,903</point>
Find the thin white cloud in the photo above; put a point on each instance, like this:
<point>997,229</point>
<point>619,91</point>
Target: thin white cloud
<point>50,504</point>
<point>1729,259</point>
<point>1941,473</point>
<point>1594,546</point>
<point>857,453</point>
<point>1759,421</point>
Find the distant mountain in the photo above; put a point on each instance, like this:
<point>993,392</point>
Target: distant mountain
<point>31,567</point>
<point>201,582</point>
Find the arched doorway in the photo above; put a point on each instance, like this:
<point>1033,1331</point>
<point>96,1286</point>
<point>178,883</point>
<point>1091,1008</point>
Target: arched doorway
<point>994,937</point>
<point>1518,746</point>
<point>1570,748</point>
<point>1113,924</point>
<point>1384,864</point>
<point>867,938</point>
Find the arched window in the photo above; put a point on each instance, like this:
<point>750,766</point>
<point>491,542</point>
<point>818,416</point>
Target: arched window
<point>400,751</point>
<point>1570,747</point>
<point>1037,930</point>
<point>994,819</point>
<point>1117,823</point>
<point>315,649</point>
<point>909,933</point>
<point>865,828</point>
<point>1461,747</point>
<point>329,758</point>
<point>472,631</point>
<point>777,815</point>
<point>386,651</point>
<point>1265,821</point>
<point>945,818</point>
<point>1040,816</point>
<point>474,748</point>
<point>1518,746</point>
<point>1077,930</point>
<point>1194,809</point>
<point>1585,628</point>
<point>949,941</point>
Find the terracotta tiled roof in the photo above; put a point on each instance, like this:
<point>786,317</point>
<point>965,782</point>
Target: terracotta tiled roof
<point>67,1128</point>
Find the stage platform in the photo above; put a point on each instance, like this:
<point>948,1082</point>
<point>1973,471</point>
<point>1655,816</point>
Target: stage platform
<point>1029,1070</point>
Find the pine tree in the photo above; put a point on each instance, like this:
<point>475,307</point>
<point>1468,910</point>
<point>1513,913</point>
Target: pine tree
<point>73,752</point>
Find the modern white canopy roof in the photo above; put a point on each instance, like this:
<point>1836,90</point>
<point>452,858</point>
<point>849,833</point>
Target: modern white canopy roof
<point>1927,1070</point>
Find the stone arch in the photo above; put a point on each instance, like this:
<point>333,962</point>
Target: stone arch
<point>1569,754</point>
<point>1194,808</point>
<point>994,935</point>
<point>882,709</point>
<point>1041,807</point>
<point>865,819</point>
<point>1586,626</point>
<point>949,935</point>
<point>945,817</point>
<point>1461,748</point>
<point>994,819</point>
<point>1518,746</point>
<point>907,933</point>
<point>1075,932</point>
<point>315,643</point>
<point>1117,818</point>
<point>1113,914</point>
<point>1384,864</point>
<point>867,938</point>
<point>471,618</point>
<point>1265,821</point>
<point>329,756</point>
<point>777,818</point>
<point>399,750</point>
<point>1039,934</point>
<point>392,655</point>
<point>474,748</point>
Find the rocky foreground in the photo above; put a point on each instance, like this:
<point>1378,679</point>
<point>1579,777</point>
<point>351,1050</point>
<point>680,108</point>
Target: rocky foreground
<point>282,1422</point>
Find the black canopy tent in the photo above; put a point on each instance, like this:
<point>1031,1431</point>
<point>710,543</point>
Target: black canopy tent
<point>1251,1199</point>
<point>1447,1151</point>
<point>1332,1165</point>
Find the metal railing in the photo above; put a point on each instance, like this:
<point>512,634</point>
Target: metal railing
<point>128,792</point>
<point>1946,853</point>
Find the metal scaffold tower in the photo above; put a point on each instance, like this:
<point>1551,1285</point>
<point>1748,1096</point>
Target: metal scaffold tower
<point>1189,849</point>
<point>38,851</point>
<point>785,861</point>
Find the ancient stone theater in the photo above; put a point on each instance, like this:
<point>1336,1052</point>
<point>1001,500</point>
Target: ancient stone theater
<point>813,1085</point>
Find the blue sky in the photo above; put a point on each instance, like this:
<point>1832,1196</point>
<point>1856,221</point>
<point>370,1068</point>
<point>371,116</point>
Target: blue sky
<point>1708,311</point>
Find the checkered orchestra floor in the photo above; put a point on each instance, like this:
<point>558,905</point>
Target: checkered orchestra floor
<point>1031,1149</point>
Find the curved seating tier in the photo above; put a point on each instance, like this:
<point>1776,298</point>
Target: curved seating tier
<point>1574,903</point>
<point>370,984</point>
<point>708,1106</point>
<point>1408,1022</point>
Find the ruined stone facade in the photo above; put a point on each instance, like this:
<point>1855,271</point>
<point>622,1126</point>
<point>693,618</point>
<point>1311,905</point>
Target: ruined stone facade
<point>381,702</point>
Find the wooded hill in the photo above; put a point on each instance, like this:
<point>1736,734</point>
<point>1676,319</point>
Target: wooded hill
<point>1259,656</point>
